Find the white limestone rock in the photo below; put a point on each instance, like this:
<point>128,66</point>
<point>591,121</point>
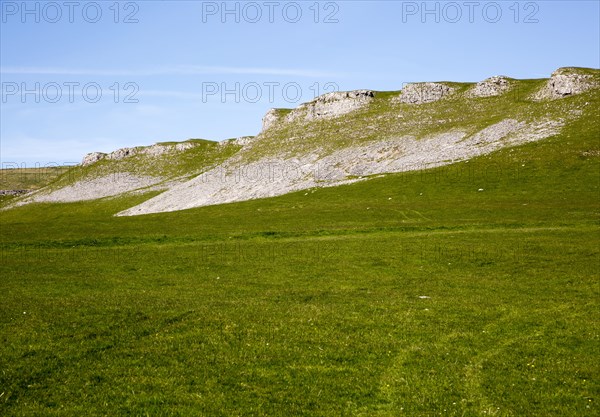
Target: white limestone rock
<point>493,86</point>
<point>564,82</point>
<point>420,93</point>
<point>272,117</point>
<point>92,157</point>
<point>331,105</point>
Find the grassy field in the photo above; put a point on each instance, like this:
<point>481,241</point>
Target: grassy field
<point>468,290</point>
<point>21,178</point>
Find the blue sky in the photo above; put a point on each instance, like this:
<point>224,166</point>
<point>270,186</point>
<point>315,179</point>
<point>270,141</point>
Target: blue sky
<point>173,70</point>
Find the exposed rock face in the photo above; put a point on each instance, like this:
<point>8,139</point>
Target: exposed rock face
<point>331,105</point>
<point>122,153</point>
<point>154,150</point>
<point>270,118</point>
<point>91,189</point>
<point>90,158</point>
<point>13,192</point>
<point>158,149</point>
<point>391,147</point>
<point>184,146</point>
<point>493,86</point>
<point>419,93</point>
<point>243,140</point>
<point>564,82</point>
<point>270,177</point>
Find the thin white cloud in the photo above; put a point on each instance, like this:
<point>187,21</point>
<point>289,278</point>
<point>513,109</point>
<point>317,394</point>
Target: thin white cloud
<point>171,94</point>
<point>64,71</point>
<point>28,151</point>
<point>195,69</point>
<point>178,70</point>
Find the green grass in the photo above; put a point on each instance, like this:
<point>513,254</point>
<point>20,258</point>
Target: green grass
<point>385,118</point>
<point>168,166</point>
<point>29,178</point>
<point>21,178</point>
<point>310,305</point>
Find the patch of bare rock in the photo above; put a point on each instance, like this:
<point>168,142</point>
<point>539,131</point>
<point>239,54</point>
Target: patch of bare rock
<point>326,106</point>
<point>420,93</point>
<point>493,86</point>
<point>91,189</point>
<point>564,82</point>
<point>154,150</point>
<point>14,192</point>
<point>271,177</point>
<point>331,105</point>
<point>272,117</point>
<point>241,141</point>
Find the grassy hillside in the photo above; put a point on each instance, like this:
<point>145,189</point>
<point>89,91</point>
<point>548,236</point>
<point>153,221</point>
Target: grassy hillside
<point>387,118</point>
<point>28,178</point>
<point>172,164</point>
<point>468,290</point>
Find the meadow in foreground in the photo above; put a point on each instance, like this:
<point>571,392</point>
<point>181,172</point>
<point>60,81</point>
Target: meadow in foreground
<point>469,290</point>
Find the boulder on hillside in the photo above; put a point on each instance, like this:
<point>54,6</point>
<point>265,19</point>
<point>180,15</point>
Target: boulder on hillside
<point>420,93</point>
<point>161,148</point>
<point>241,141</point>
<point>155,150</point>
<point>122,153</point>
<point>92,157</point>
<point>331,105</point>
<point>493,86</point>
<point>270,118</point>
<point>564,82</point>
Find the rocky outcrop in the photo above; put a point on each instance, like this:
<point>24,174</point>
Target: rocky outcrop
<point>270,118</point>
<point>420,93</point>
<point>93,157</point>
<point>161,149</point>
<point>90,189</point>
<point>564,82</point>
<point>13,192</point>
<point>241,141</point>
<point>385,140</point>
<point>154,151</point>
<point>493,86</point>
<point>270,177</point>
<point>122,153</point>
<point>331,105</point>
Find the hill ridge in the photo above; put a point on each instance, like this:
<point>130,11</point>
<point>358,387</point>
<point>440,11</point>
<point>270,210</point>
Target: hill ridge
<point>334,139</point>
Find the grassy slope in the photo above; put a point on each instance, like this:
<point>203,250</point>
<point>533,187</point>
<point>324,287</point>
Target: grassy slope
<point>386,118</point>
<point>308,304</point>
<point>171,165</point>
<point>28,178</point>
